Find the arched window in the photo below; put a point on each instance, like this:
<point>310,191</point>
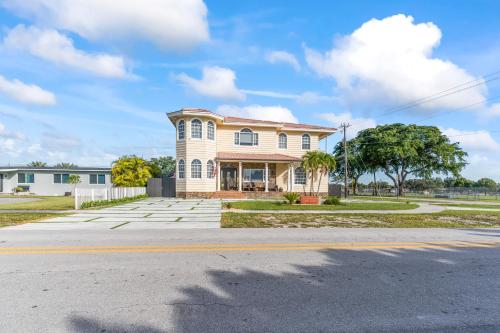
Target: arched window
<point>282,141</point>
<point>306,142</point>
<point>300,176</point>
<point>196,131</point>
<point>196,169</point>
<point>181,127</point>
<point>210,169</point>
<point>246,137</point>
<point>181,168</point>
<point>210,131</point>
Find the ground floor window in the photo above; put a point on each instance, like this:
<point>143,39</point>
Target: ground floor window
<point>97,179</point>
<point>300,176</point>
<point>26,178</point>
<point>253,175</point>
<point>61,178</point>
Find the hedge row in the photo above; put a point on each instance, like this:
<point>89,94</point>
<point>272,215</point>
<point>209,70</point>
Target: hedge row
<point>99,203</point>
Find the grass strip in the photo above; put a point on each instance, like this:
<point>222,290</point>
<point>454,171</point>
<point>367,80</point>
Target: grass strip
<point>276,205</point>
<point>10,219</point>
<point>120,225</point>
<point>446,219</point>
<point>178,219</point>
<point>43,203</point>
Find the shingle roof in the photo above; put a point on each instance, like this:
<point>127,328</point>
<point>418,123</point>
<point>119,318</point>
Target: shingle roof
<point>256,157</point>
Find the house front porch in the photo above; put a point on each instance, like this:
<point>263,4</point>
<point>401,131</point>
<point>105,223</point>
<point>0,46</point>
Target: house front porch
<point>254,175</point>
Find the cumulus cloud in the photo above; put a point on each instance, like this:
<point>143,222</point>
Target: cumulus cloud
<point>217,82</point>
<point>170,24</point>
<point>391,60</point>
<point>283,57</point>
<point>272,113</point>
<point>5,134</point>
<point>26,93</point>
<point>477,141</point>
<point>357,124</point>
<point>53,46</point>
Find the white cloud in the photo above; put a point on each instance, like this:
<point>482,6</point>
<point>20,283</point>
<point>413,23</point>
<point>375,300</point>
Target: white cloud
<point>8,134</point>
<point>283,57</point>
<point>26,93</point>
<point>271,113</point>
<point>494,110</point>
<point>217,82</point>
<point>357,124</point>
<point>170,24</point>
<point>390,60</point>
<point>476,168</point>
<point>55,47</point>
<point>473,140</point>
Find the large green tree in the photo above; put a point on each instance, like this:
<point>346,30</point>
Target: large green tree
<point>37,164</point>
<point>401,150</point>
<point>486,182</point>
<point>131,171</point>
<point>163,166</point>
<point>356,167</point>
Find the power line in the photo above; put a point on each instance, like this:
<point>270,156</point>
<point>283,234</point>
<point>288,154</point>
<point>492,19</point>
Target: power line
<point>447,92</point>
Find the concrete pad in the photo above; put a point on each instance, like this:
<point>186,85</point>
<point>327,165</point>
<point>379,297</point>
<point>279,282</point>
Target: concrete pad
<point>171,225</point>
<point>68,219</point>
<point>63,226</point>
<point>136,219</point>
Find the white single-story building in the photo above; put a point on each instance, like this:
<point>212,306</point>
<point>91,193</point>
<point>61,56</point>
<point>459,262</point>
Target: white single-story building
<point>51,180</point>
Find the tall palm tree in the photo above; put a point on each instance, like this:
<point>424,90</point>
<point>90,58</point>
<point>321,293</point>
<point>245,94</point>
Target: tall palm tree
<point>317,161</point>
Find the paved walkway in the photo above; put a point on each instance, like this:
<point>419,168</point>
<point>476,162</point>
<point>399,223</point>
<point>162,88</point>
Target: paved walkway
<point>152,213</point>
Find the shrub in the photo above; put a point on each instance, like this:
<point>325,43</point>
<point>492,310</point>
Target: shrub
<point>332,201</point>
<point>100,203</point>
<point>228,205</point>
<point>291,197</point>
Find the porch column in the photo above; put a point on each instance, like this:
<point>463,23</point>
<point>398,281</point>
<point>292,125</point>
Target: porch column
<point>292,177</point>
<point>217,175</point>
<point>267,177</point>
<point>240,176</point>
<point>289,179</point>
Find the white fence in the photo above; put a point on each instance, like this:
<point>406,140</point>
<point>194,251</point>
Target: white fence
<point>91,194</point>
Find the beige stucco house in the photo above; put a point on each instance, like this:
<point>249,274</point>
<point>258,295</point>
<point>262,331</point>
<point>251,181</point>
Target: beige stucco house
<point>221,156</point>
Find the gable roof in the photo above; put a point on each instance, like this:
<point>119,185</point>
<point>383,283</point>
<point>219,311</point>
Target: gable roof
<point>228,120</point>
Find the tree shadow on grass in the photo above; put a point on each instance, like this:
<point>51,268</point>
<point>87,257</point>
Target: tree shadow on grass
<point>425,290</point>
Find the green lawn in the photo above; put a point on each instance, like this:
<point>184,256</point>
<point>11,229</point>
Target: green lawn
<point>8,219</point>
<point>426,198</point>
<point>275,205</point>
<point>446,219</point>
<point>469,205</point>
<point>45,203</point>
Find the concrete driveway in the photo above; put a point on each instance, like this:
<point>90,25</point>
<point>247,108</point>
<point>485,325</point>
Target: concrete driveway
<point>152,213</point>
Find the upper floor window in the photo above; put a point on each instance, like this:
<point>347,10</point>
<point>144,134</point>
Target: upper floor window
<point>196,169</point>
<point>26,178</point>
<point>210,130</point>
<point>300,176</point>
<point>61,178</point>
<point>181,129</point>
<point>210,169</point>
<point>246,137</point>
<point>97,179</point>
<point>181,169</point>
<point>282,141</point>
<point>196,131</point>
<point>306,142</point>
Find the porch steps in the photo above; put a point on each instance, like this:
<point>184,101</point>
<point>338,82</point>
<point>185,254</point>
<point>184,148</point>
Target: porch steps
<point>228,195</point>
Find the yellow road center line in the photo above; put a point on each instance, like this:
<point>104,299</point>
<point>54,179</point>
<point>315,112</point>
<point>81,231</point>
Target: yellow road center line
<point>242,247</point>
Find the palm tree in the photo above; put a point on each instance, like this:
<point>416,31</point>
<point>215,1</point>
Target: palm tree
<point>317,161</point>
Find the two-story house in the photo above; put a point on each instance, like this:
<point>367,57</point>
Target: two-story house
<point>221,156</point>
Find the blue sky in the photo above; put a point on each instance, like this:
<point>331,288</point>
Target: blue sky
<point>86,81</point>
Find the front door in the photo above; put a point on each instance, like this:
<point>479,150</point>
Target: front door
<point>229,179</point>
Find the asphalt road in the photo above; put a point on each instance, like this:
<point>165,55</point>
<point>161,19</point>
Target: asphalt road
<point>308,280</point>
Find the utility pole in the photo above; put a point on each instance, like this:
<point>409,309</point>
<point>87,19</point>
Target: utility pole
<point>346,187</point>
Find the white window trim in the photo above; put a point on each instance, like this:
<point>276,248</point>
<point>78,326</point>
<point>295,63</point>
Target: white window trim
<point>177,173</point>
<point>191,172</point>
<point>61,183</point>
<point>310,142</point>
<point>286,148</point>
<point>25,173</point>
<point>213,169</point>
<point>177,130</point>
<point>215,130</point>
<point>97,174</point>
<point>191,129</point>
<point>253,132</point>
